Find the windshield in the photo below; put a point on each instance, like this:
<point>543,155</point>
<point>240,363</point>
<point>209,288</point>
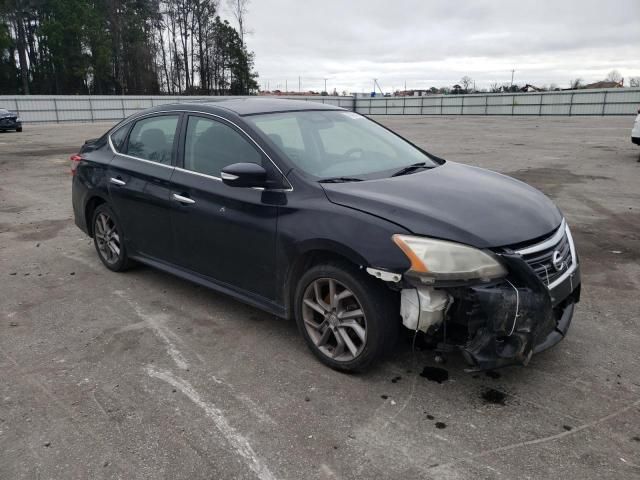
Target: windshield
<point>330,144</point>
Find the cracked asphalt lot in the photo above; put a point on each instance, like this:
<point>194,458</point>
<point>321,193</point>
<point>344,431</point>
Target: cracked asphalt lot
<point>142,375</point>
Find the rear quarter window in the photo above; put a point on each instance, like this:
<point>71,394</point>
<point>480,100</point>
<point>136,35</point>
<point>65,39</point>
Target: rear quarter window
<point>118,137</point>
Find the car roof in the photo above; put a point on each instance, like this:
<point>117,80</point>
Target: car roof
<point>252,106</point>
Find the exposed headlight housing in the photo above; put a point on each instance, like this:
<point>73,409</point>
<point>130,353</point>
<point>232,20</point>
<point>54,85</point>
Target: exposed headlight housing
<point>434,260</point>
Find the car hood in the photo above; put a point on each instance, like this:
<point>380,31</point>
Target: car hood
<point>455,202</point>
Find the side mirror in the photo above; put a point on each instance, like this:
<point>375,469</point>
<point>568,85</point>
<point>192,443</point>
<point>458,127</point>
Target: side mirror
<point>244,175</point>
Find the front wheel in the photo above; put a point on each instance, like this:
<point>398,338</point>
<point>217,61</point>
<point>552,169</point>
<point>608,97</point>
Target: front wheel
<point>348,320</point>
<point>19,129</point>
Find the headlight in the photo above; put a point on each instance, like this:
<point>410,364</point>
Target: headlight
<point>18,119</point>
<point>442,260</point>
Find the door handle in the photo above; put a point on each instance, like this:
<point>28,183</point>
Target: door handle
<point>183,199</point>
<point>117,181</point>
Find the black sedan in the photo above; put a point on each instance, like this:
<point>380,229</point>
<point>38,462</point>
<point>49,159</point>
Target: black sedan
<point>9,121</point>
<point>312,212</point>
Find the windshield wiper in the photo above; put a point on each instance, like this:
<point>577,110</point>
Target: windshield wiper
<point>340,180</point>
<point>410,168</point>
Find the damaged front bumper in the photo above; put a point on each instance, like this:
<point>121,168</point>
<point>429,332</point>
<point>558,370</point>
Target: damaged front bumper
<point>499,323</point>
<point>511,320</point>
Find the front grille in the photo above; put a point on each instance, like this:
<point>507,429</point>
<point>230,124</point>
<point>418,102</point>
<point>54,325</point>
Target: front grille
<point>551,257</point>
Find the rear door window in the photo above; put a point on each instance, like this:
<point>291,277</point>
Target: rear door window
<point>152,139</point>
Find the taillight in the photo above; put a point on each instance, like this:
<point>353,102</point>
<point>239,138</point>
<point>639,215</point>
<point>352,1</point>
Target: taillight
<point>75,161</point>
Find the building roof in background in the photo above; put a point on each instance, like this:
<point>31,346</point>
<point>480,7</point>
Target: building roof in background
<point>605,84</point>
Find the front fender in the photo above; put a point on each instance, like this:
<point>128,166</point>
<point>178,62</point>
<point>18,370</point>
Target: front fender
<point>318,225</point>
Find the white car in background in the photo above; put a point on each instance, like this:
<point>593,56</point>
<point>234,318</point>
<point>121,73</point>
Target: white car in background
<point>635,133</point>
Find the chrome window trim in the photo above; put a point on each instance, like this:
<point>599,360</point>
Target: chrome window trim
<point>218,179</point>
<point>137,158</point>
<point>212,177</point>
<point>549,242</point>
<point>290,189</point>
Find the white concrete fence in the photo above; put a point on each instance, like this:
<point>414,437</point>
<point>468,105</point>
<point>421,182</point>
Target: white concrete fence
<point>86,108</point>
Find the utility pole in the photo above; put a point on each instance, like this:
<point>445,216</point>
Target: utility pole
<point>325,85</point>
<point>299,84</point>
<point>512,72</point>
<point>286,86</point>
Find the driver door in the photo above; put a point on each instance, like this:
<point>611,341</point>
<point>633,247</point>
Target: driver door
<point>224,233</point>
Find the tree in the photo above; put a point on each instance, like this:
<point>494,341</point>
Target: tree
<point>614,76</point>
<point>634,82</point>
<point>8,68</point>
<point>121,47</point>
<point>15,14</point>
<point>239,9</point>
<point>509,87</point>
<point>466,82</point>
<point>494,87</point>
<point>231,64</point>
<point>575,83</point>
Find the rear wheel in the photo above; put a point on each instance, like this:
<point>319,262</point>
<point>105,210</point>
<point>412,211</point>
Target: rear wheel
<point>19,129</point>
<point>348,320</point>
<point>109,239</point>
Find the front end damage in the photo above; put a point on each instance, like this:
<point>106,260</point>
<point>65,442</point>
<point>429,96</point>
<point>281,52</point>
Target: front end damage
<point>503,321</point>
<point>507,322</point>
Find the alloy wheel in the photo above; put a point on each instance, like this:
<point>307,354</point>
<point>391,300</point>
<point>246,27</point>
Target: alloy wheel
<point>334,319</point>
<point>107,238</point>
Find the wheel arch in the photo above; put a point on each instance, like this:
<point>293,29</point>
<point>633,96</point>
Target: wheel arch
<point>90,206</point>
<point>312,253</point>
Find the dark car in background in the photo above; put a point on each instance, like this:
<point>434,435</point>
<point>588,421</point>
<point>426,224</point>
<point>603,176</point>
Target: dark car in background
<point>313,212</point>
<point>9,121</point>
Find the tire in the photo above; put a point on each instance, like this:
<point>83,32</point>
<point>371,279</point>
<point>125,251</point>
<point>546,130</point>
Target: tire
<point>19,129</point>
<point>321,329</point>
<point>107,238</point>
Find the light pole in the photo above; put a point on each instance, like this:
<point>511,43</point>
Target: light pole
<point>325,85</point>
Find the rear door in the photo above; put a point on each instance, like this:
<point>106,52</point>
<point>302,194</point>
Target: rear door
<point>139,184</point>
<point>225,233</point>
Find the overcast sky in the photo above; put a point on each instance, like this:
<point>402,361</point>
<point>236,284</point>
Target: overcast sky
<point>434,43</point>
